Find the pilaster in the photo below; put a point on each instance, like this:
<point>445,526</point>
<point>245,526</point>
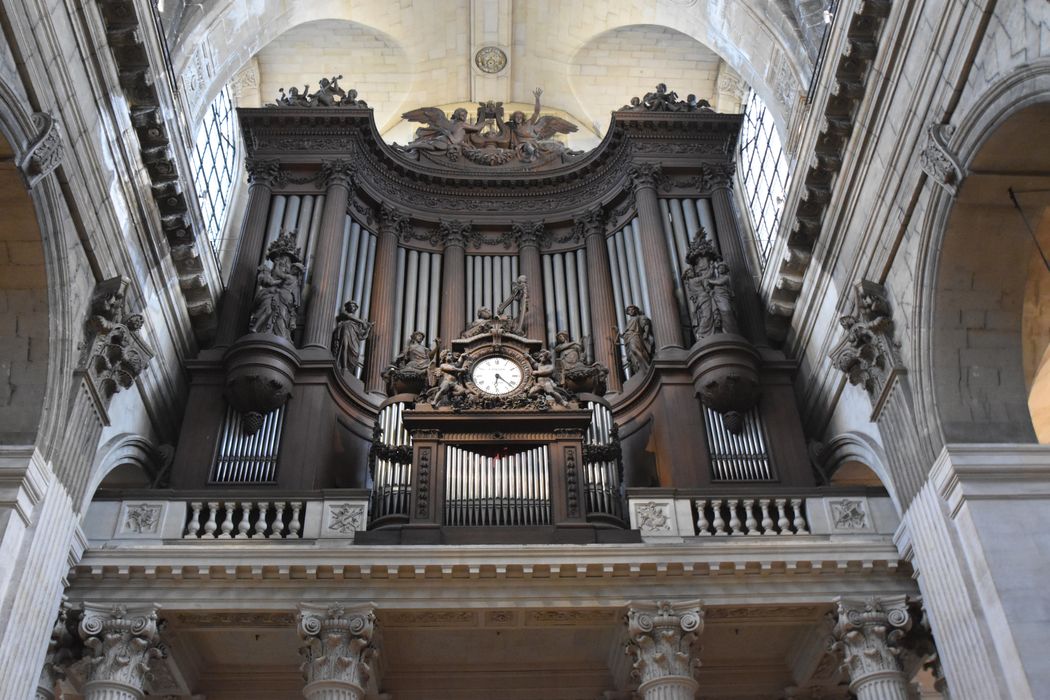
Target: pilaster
<point>338,650</point>
<point>664,647</point>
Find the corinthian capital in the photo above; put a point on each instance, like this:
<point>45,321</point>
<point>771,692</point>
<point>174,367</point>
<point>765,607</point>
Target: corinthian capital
<point>592,222</point>
<point>664,644</point>
<point>338,172</point>
<point>867,634</point>
<point>119,642</point>
<point>718,176</point>
<point>454,233</point>
<point>528,233</point>
<point>263,172</point>
<point>338,648</point>
<point>645,174</point>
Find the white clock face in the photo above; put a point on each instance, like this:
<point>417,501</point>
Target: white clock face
<point>497,375</point>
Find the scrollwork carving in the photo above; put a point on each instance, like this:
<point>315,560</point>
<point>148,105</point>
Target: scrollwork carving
<point>44,152</point>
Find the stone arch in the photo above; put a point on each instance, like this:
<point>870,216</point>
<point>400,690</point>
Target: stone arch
<point>38,350</point>
<point>854,448</point>
<point>124,452</point>
<point>971,289</point>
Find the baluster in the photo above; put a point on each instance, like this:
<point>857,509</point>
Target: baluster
<point>209,527</point>
<point>720,524</point>
<point>260,524</point>
<point>800,520</point>
<point>767,522</point>
<point>783,523</point>
<point>277,530</point>
<point>751,523</point>
<point>242,526</point>
<point>227,522</point>
<point>194,524</point>
<point>701,520</point>
<point>734,520</point>
<point>293,524</point>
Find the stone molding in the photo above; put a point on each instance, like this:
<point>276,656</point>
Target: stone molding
<point>664,643</point>
<point>24,479</point>
<point>120,643</point>
<point>339,646</point>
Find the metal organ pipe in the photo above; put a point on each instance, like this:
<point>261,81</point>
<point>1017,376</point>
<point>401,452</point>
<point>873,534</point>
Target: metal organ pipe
<point>636,239</point>
<point>548,297</point>
<point>585,297</point>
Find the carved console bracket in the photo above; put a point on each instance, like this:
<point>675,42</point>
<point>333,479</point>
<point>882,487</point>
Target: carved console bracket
<point>112,354</point>
<point>868,353</point>
<point>44,152</point>
<point>124,33</point>
<point>938,160</point>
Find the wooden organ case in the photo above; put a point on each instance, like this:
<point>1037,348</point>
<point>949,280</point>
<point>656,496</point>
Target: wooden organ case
<point>491,339</point>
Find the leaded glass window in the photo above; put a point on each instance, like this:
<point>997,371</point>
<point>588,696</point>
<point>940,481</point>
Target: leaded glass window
<point>214,159</point>
<point>763,172</point>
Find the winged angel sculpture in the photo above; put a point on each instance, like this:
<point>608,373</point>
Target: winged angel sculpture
<point>489,140</point>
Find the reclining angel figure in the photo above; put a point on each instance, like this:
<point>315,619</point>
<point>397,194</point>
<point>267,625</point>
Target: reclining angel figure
<point>440,132</point>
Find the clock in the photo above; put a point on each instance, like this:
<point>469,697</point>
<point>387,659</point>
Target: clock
<point>497,375</point>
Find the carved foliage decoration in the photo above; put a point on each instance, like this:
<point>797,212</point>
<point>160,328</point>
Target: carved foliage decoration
<point>938,160</point>
<point>664,639</point>
<point>338,644</point>
<point>653,517</point>
<point>645,175</point>
<point>423,483</point>
<point>867,634</point>
<point>572,482</point>
<point>868,353</point>
<point>113,353</point>
<point>120,643</point>
<point>44,153</point>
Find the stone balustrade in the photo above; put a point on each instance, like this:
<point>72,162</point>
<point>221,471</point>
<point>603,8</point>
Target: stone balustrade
<point>228,517</point>
<point>661,513</point>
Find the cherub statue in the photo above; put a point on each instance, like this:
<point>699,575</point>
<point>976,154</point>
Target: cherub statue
<point>450,383</point>
<point>349,335</point>
<point>533,136</point>
<point>440,132</point>
<point>351,100</point>
<point>327,91</point>
<point>277,289</point>
<point>293,98</point>
<point>543,376</point>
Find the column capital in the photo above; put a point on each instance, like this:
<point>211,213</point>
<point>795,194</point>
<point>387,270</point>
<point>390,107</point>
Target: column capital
<point>592,221</point>
<point>119,641</point>
<point>392,221</point>
<point>664,642</point>
<point>645,175</point>
<point>338,173</point>
<point>867,634</point>
<point>338,648</point>
<point>528,233</point>
<point>718,176</point>
<point>454,233</point>
<point>263,171</point>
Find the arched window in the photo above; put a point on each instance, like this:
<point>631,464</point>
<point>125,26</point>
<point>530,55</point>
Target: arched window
<point>214,158</point>
<point>763,172</point>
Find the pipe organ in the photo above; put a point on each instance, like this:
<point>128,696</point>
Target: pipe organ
<point>533,331</point>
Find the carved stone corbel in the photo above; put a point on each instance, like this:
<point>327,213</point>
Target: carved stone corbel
<point>938,160</point>
<point>339,648</point>
<point>663,643</point>
<point>120,643</point>
<point>44,152</point>
<point>113,354</point>
<point>868,354</point>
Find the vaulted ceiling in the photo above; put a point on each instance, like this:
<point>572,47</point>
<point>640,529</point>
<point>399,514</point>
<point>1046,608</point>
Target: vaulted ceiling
<point>588,56</point>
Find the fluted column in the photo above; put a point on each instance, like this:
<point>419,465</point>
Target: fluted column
<point>320,317</point>
<point>119,642</point>
<point>384,296</point>
<point>658,279</point>
<point>529,236</point>
<point>867,634</point>
<point>600,294</point>
<point>453,280</point>
<point>338,650</point>
<point>237,304</point>
<point>719,180</point>
<point>663,644</point>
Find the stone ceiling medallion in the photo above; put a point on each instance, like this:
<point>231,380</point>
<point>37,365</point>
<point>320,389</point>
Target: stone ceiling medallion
<point>490,59</point>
